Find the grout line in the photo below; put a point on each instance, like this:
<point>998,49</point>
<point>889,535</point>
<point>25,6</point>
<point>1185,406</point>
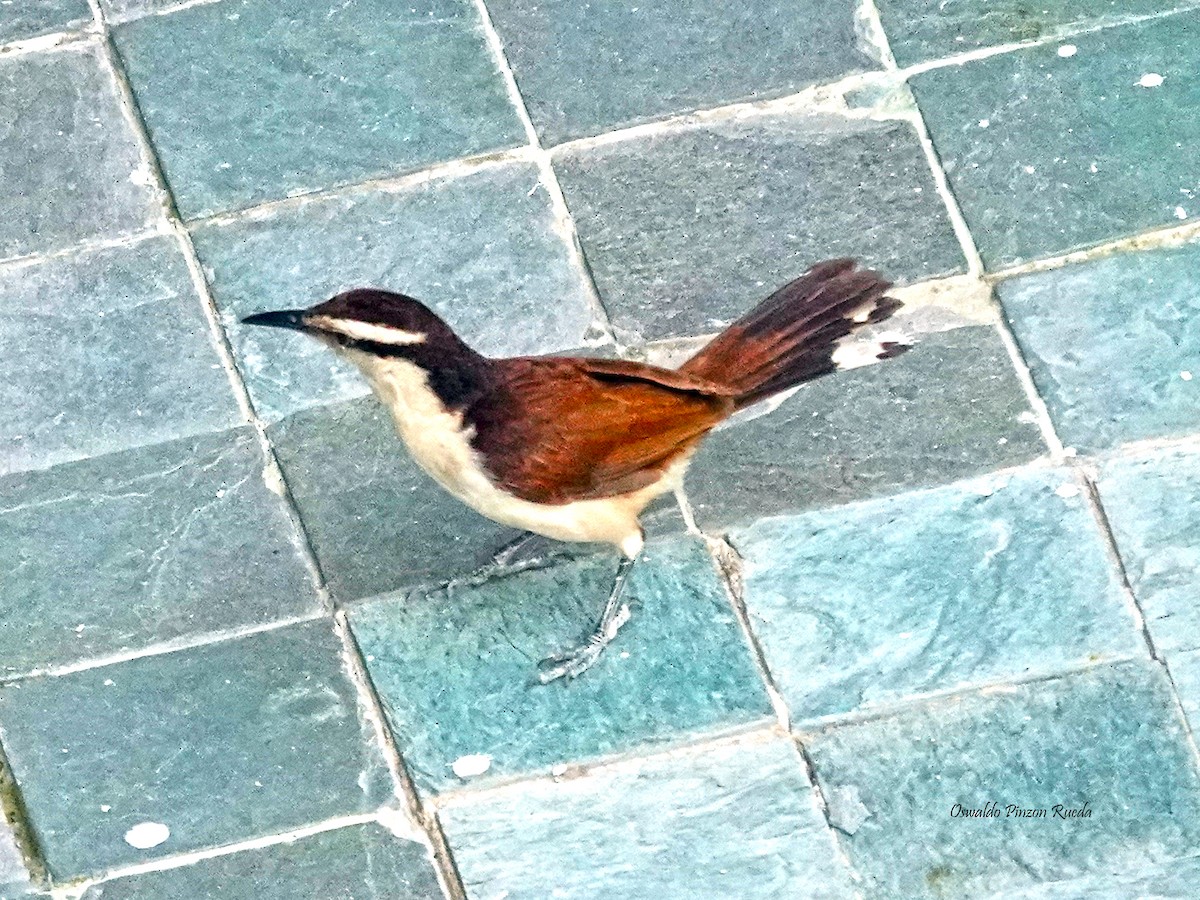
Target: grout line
<point>46,43</point>
<point>564,222</point>
<point>13,812</point>
<point>191,642</point>
<point>88,245</point>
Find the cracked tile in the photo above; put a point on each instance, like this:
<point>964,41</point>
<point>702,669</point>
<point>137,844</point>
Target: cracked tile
<point>734,820</point>
<point>107,350</point>
<point>68,159</point>
<point>254,100</point>
<point>200,747</point>
<point>123,551</point>
<point>1113,344</point>
<point>361,861</point>
<point>456,668</point>
<point>875,602</point>
<point>483,250</point>
<point>685,231</point>
<point>588,68</point>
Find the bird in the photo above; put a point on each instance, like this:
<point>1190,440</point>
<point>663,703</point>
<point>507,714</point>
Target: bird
<point>574,448</point>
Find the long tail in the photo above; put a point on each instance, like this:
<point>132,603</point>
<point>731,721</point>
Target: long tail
<point>799,332</point>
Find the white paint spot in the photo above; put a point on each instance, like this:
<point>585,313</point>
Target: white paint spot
<point>1185,375</point>
<point>79,629</point>
<point>1070,452</point>
<point>558,770</point>
<point>1092,168</point>
<point>1180,213</point>
<point>1029,170</point>
<point>984,123</point>
<point>395,821</point>
<point>104,807</point>
<point>1067,50</point>
<point>1068,490</point>
<point>147,835</point>
<point>471,765</point>
<point>1150,79</point>
<point>273,480</point>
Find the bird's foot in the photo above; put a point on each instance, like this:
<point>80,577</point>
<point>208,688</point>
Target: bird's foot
<point>574,662</point>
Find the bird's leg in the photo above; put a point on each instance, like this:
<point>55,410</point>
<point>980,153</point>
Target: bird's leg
<point>579,659</point>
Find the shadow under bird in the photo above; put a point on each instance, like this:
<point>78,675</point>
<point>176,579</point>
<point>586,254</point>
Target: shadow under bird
<point>575,448</point>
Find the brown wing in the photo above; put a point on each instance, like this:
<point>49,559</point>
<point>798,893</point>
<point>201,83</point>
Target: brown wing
<point>589,428</point>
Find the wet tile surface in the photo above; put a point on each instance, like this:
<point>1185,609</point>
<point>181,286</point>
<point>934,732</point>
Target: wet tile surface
<point>107,350</point>
<point>1148,502</point>
<point>1112,345</point>
<point>482,250</point>
<point>1043,147</point>
<point>949,408</point>
<point>587,68</point>
<point>871,603</point>
<point>362,862</point>
<point>25,19</point>
<point>218,744</point>
<point>456,669</point>
<point>69,162</point>
<point>1109,737</point>
<point>291,97</point>
<point>919,29</point>
<point>731,821</point>
<point>119,552</point>
<point>686,231</point>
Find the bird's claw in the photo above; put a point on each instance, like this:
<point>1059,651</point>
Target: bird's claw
<point>570,664</point>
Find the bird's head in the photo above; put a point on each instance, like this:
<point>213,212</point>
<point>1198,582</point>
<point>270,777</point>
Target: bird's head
<point>375,322</point>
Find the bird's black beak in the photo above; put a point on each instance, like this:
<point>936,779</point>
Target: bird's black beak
<point>280,318</point>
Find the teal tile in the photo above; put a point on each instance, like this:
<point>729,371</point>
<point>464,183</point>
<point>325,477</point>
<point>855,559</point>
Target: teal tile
<point>484,250</point>
<point>1113,344</point>
<point>24,19</point>
<point>587,68</point>
<point>1184,666</point>
<point>106,350</point>
<point>362,862</point>
<point>1154,517</point>
<point>456,668</point>
<point>927,29</point>
<point>216,744</point>
<point>731,820</point>
<point>1045,149</point>
<point>1174,880</point>
<point>376,521</point>
<point>119,552</point>
<point>930,591</point>
<point>69,161</point>
<point>1109,738</point>
<point>253,100</point>
<point>685,231</point>
<point>949,408</point>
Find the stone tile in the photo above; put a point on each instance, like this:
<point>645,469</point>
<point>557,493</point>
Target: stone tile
<point>870,603</point>
<point>253,100</point>
<point>119,552</point>
<point>24,19</point>
<point>14,878</point>
<point>950,408</point>
<point>483,250</point>
<point>376,521</point>
<point>1045,149</point>
<point>1112,344</point>
<point>68,159</point>
<point>456,668</point>
<point>922,29</point>
<point>1185,673</point>
<point>586,68</point>
<point>106,350</point>
<point>1151,508</point>
<point>1108,737</point>
<point>731,820</point>
<point>219,743</point>
<point>1174,880</point>
<point>362,862</point>
<point>685,231</point>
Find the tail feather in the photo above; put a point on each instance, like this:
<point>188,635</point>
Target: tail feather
<point>800,332</point>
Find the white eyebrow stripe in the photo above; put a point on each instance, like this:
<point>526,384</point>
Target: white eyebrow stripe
<point>365,331</point>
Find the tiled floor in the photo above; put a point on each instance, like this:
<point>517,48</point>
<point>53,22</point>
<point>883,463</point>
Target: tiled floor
<point>963,579</point>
